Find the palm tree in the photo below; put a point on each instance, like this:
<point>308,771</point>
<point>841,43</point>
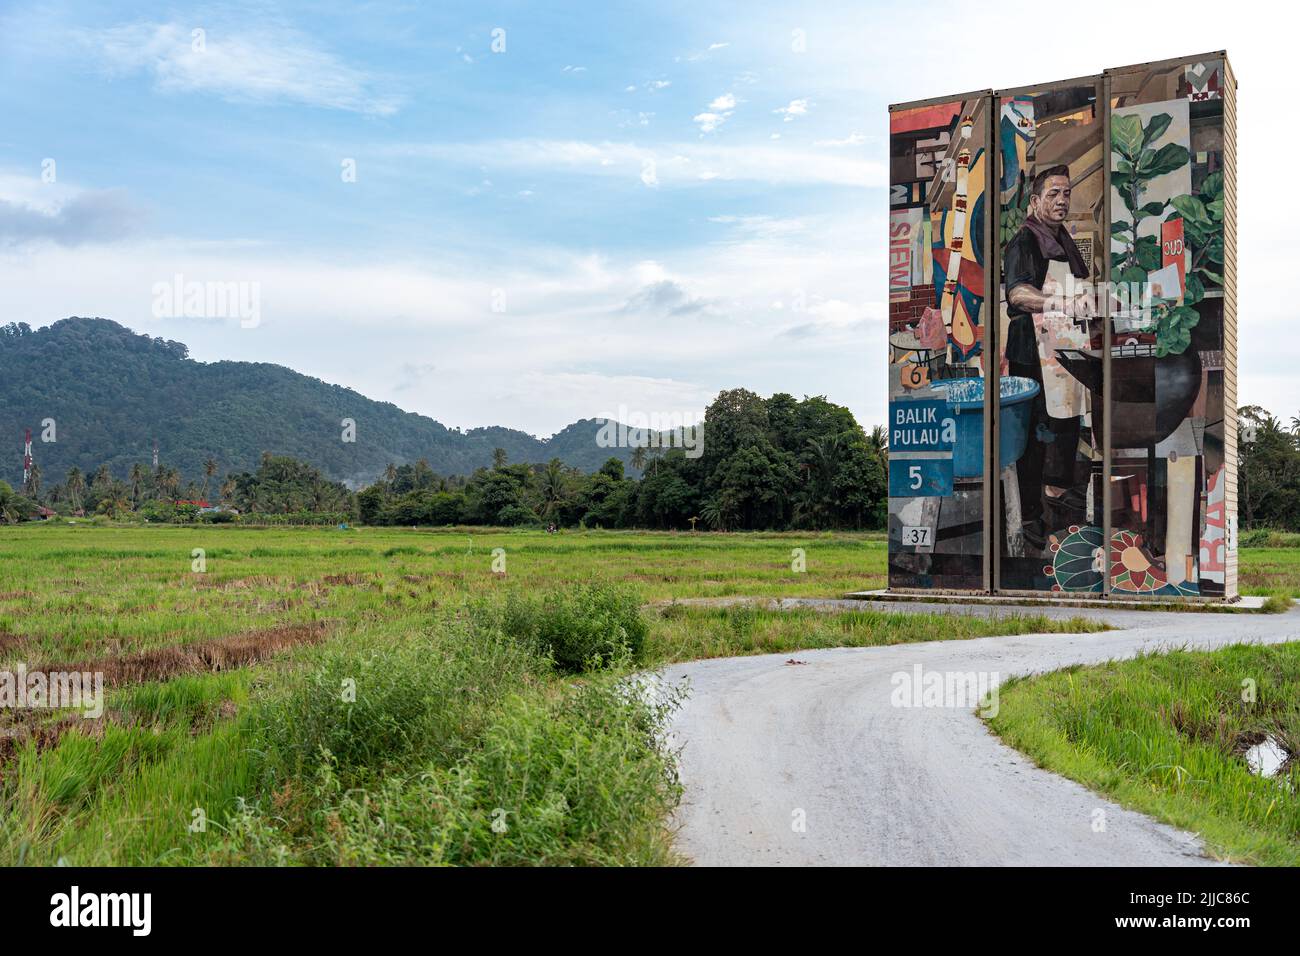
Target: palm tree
<point>103,477</point>
<point>714,516</point>
<point>9,513</point>
<point>209,469</point>
<point>75,485</point>
<point>878,442</point>
<point>169,479</point>
<point>137,476</point>
<point>638,457</point>
<point>227,489</point>
<point>554,488</point>
<point>498,458</point>
<point>655,453</point>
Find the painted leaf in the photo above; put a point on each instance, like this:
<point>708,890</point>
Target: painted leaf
<point>1126,135</point>
<point>1213,185</point>
<point>1194,292</point>
<point>1215,249</point>
<point>1191,209</point>
<point>1132,274</point>
<point>1197,235</point>
<point>1119,225</point>
<point>1148,253</point>
<point>1169,157</point>
<point>1159,123</point>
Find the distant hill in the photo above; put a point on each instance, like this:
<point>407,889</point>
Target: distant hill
<point>112,393</point>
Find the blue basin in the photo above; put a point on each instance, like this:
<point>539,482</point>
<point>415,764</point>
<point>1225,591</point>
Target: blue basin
<point>966,399</point>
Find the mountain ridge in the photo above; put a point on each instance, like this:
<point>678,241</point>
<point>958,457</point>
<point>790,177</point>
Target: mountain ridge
<point>111,392</point>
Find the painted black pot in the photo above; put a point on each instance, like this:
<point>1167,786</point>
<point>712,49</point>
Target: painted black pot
<point>1150,396</point>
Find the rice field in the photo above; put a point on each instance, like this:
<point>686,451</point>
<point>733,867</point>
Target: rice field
<point>229,734</point>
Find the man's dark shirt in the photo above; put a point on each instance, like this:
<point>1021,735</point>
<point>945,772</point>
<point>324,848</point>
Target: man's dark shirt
<point>1023,264</point>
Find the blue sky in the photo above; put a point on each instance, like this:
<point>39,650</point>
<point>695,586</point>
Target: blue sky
<point>630,205</point>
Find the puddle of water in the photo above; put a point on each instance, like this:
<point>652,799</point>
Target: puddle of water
<point>1266,758</point>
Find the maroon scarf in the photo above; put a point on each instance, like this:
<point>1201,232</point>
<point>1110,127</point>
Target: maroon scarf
<point>1055,243</point>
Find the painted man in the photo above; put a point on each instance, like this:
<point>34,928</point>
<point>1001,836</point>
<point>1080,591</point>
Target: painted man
<point>1039,270</point>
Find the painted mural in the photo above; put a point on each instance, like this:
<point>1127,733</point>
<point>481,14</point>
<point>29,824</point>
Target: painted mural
<point>1170,526</point>
<point>1167,254</point>
<point>936,296</point>
<point>1052,209</point>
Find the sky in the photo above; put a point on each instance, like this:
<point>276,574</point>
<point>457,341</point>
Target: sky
<point>524,214</point>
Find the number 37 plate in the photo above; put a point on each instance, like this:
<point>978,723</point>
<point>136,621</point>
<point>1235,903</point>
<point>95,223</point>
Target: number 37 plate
<point>917,537</point>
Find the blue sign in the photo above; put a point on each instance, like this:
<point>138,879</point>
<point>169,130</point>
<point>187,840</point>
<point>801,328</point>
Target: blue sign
<point>920,477</point>
<point>923,424</point>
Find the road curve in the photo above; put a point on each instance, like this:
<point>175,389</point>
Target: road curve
<point>766,744</point>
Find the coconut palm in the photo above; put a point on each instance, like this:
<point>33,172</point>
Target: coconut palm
<point>137,476</point>
<point>209,469</point>
<point>554,488</point>
<point>638,457</point>
<point>75,484</point>
<point>9,513</point>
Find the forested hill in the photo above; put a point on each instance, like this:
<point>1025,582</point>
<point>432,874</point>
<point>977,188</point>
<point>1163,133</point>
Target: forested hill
<point>112,392</point>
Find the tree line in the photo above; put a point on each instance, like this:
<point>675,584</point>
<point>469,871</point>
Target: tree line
<point>763,464</point>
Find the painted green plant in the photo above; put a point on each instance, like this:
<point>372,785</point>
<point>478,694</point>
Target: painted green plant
<point>1202,214</point>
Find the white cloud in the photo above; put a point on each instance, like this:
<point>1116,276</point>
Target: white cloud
<point>266,65</point>
<point>795,108</point>
<point>708,122</point>
<point>702,54</point>
<point>718,112</point>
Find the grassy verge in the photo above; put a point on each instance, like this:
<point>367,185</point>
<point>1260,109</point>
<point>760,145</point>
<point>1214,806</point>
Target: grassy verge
<point>1166,735</point>
<point>684,634</point>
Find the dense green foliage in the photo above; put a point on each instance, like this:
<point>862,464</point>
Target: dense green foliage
<point>1269,478</point>
<point>584,627</point>
<point>770,463</point>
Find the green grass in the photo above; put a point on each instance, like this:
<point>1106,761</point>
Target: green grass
<point>471,740</point>
<point>683,633</point>
<point>1166,735</point>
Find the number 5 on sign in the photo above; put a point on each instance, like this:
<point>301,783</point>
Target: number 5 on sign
<point>920,478</point>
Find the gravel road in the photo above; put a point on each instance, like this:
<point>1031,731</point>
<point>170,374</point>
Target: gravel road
<point>767,745</point>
